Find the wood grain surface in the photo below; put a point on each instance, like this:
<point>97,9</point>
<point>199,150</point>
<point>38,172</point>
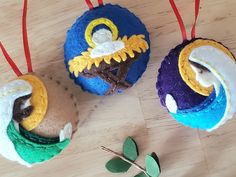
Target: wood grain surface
<point>108,121</point>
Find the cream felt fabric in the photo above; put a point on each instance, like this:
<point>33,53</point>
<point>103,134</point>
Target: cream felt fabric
<point>171,103</point>
<point>66,133</point>
<point>224,69</point>
<point>8,94</point>
<point>62,109</point>
<point>104,44</point>
<point>206,78</point>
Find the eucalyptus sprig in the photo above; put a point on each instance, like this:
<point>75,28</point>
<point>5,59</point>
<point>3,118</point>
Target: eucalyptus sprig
<point>121,163</point>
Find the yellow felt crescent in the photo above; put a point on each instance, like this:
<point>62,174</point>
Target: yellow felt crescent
<point>39,101</point>
<point>186,72</point>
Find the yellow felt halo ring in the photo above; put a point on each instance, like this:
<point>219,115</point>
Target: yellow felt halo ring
<point>186,72</point>
<point>39,101</point>
<point>96,22</point>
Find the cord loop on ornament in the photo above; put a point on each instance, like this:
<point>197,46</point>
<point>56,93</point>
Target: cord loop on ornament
<point>90,4</point>
<point>180,20</point>
<point>25,43</point>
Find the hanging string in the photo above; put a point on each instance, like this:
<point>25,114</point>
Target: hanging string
<point>10,61</point>
<point>100,2</point>
<point>180,20</point>
<point>25,38</point>
<point>197,8</point>
<point>25,43</point>
<point>90,5</point>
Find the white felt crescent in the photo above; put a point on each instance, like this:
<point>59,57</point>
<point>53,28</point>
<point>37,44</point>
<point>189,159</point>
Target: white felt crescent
<point>8,94</point>
<point>224,69</point>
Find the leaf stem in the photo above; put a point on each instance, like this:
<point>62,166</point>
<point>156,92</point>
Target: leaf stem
<point>125,159</point>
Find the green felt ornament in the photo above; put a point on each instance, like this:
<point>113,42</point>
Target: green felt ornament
<point>117,165</point>
<point>130,149</point>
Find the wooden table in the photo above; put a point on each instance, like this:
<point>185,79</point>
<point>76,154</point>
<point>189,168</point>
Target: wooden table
<point>109,120</point>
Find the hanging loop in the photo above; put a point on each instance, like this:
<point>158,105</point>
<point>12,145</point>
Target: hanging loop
<point>180,20</point>
<point>25,37</point>
<point>10,61</point>
<point>90,4</point>
<point>25,43</point>
<point>197,8</point>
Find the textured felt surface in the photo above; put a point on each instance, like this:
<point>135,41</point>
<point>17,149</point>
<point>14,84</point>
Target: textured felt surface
<point>37,139</point>
<point>194,110</point>
<point>32,152</point>
<point>206,115</point>
<point>117,165</point>
<point>127,24</point>
<point>8,94</point>
<point>170,82</point>
<point>152,166</point>
<point>130,149</point>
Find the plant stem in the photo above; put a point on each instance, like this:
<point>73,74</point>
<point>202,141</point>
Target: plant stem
<point>125,159</point>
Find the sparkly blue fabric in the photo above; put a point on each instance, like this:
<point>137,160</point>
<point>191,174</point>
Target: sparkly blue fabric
<point>206,115</point>
<point>127,23</point>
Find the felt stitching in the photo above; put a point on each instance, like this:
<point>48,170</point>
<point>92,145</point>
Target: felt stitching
<point>96,22</point>
<point>136,43</point>
<point>226,87</point>
<point>66,90</point>
<point>32,152</point>
<point>186,71</point>
<point>172,83</point>
<point>191,117</point>
<point>39,101</point>
<point>75,44</point>
<point>37,139</point>
<point>6,112</point>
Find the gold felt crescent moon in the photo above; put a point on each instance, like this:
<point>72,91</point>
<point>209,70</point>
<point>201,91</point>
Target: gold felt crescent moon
<point>186,71</point>
<point>39,101</point>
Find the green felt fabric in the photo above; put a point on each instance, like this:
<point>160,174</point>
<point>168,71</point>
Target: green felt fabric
<point>37,139</point>
<point>117,165</point>
<point>140,175</point>
<point>32,152</point>
<point>130,149</point>
<point>152,166</point>
<point>154,155</point>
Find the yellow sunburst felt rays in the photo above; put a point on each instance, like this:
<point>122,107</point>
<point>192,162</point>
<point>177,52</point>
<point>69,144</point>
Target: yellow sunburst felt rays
<point>134,44</point>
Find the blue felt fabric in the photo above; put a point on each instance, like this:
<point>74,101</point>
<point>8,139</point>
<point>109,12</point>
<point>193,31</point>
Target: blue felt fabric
<point>127,23</point>
<point>170,81</point>
<point>206,115</point>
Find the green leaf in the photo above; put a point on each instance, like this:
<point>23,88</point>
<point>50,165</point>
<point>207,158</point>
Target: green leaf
<point>130,149</point>
<point>153,154</point>
<point>152,166</point>
<point>141,175</point>
<point>117,165</point>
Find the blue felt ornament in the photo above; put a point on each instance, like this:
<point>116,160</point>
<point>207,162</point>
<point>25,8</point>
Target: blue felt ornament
<point>107,49</point>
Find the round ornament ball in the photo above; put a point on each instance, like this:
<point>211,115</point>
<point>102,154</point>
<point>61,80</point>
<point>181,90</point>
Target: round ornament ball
<point>107,50</point>
<point>196,83</point>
